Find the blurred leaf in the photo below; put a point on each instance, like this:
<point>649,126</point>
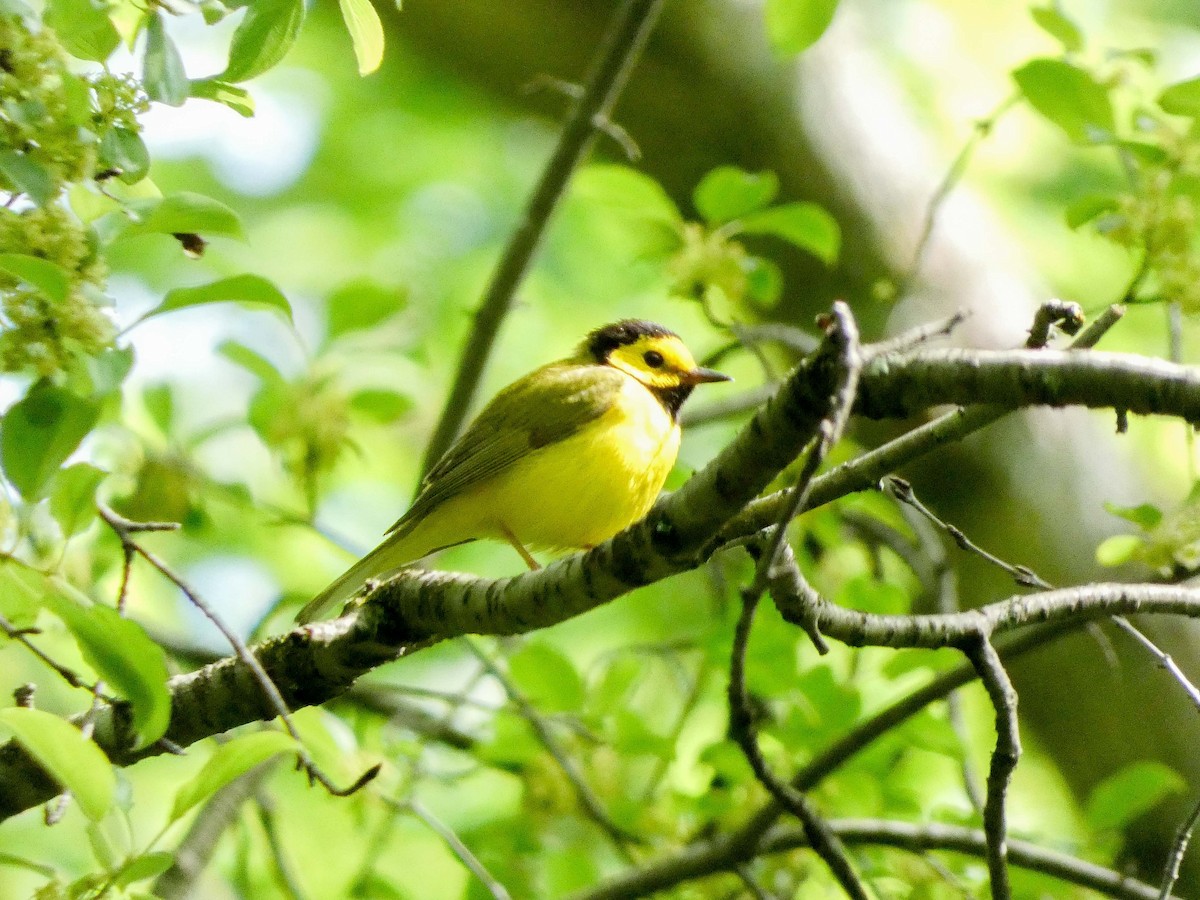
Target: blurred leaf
<point>795,25</point>
<point>244,290</point>
<point>71,759</point>
<point>236,98</point>
<point>159,401</point>
<point>1089,207</point>
<point>806,225</point>
<point>1182,98</point>
<point>185,212</point>
<point>512,743</point>
<point>366,32</point>
<point>148,865</point>
<point>632,733</point>
<point>51,279</point>
<point>383,406</point>
<point>123,149</point>
<point>615,685</point>
<point>627,191</point>
<point>546,677</point>
<point>1145,516</point>
<point>83,27</point>
<point>124,657</point>
<point>764,281</point>
<point>21,591</point>
<point>162,69</point>
<point>73,496</point>
<point>1134,790</point>
<point>360,305</point>
<point>263,38</point>
<point>252,361</point>
<point>228,762</point>
<point>1052,21</point>
<point>728,192</point>
<point>866,593</point>
<point>27,176</point>
<point>1119,549</point>
<point>39,432</point>
<point>1069,97</point>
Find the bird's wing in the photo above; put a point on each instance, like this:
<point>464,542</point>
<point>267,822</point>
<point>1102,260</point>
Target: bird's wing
<point>548,405</point>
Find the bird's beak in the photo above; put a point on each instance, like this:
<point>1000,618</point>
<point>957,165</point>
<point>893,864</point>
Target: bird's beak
<point>702,376</point>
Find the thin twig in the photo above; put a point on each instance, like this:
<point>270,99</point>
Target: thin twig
<point>1179,846</point>
<point>618,54</point>
<point>915,337</point>
<point>124,529</point>
<point>1164,659</point>
<point>21,636</point>
<point>458,848</point>
<point>1067,315</point>
<point>583,793</point>
<point>283,868</point>
<point>1004,759</point>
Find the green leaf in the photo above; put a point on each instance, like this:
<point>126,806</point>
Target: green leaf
<point>71,759</point>
<point>1069,97</point>
<point>1182,98</point>
<point>546,677</point>
<point>51,279</point>
<point>1129,793</point>
<point>1145,516</point>
<point>245,290</point>
<point>73,496</point>
<point>84,28</point>
<point>728,192</point>
<point>236,98</point>
<point>27,176</point>
<point>123,149</point>
<point>381,405</point>
<point>366,32</point>
<point>1088,208</point>
<point>795,25</point>
<point>1119,549</point>
<point>149,865</point>
<point>627,191</point>
<point>806,225</point>
<point>159,401</point>
<point>124,657</point>
<point>360,305</point>
<point>162,69</point>
<point>263,38</point>
<point>40,431</point>
<point>252,361</point>
<point>230,761</point>
<point>185,213</point>
<point>1052,21</point>
<point>21,592</point>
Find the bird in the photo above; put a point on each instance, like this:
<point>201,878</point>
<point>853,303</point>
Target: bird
<point>563,458</point>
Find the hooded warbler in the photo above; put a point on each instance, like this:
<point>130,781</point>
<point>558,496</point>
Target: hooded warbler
<point>563,458</point>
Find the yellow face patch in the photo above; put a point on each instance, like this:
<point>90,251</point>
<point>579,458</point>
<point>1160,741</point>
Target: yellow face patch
<point>657,361</point>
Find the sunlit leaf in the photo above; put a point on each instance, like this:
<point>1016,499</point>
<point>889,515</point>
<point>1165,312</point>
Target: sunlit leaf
<point>73,496</point>
<point>71,759</point>
<point>250,360</point>
<point>162,70</point>
<point>627,191</point>
<point>51,279</point>
<point>122,654</point>
<point>1182,99</point>
<point>185,212</point>
<point>361,305</point>
<point>1145,515</point>
<point>728,192</point>
<point>806,225</point>
<point>546,677</point>
<point>795,25</point>
<point>84,28</point>
<point>1069,97</point>
<point>148,865</point>
<point>263,38</point>
<point>244,290</point>
<point>1088,208</point>
<point>366,32</point>
<point>40,431</point>
<point>229,761</point>
<point>236,98</point>
<point>1119,549</point>
<point>1131,792</point>
<point>1055,23</point>
<point>159,400</point>
<point>381,405</point>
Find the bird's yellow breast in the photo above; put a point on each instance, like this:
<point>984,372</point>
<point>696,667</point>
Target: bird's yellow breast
<point>576,492</point>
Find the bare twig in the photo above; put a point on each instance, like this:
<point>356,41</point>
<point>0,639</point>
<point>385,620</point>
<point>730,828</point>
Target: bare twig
<point>21,636</point>
<point>1066,315</point>
<point>1183,837</point>
<point>458,848</point>
<point>618,55</point>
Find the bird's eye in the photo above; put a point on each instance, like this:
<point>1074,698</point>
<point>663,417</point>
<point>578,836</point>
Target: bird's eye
<point>653,358</point>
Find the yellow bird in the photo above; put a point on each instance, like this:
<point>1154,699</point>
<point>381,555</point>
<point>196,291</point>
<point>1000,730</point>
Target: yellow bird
<point>563,458</point>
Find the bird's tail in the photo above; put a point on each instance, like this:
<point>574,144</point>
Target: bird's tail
<point>389,556</point>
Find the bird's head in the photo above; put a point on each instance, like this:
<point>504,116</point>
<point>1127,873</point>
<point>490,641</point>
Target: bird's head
<point>653,355</point>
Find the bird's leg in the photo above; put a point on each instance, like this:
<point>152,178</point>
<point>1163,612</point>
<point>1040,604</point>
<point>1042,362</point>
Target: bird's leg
<point>519,547</point>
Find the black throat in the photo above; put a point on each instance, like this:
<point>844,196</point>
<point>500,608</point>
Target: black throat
<point>672,398</point>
